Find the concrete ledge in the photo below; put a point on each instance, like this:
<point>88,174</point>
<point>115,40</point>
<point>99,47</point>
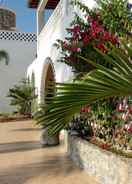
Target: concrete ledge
<point>107,167</point>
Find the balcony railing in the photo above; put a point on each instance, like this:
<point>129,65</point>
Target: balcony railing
<point>53,19</point>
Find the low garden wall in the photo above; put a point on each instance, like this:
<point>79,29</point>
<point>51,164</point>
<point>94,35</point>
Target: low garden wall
<point>106,166</point>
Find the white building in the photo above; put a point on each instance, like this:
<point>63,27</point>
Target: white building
<point>21,48</point>
<point>45,67</point>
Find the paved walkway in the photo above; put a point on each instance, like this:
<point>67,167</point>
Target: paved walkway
<point>23,161</point>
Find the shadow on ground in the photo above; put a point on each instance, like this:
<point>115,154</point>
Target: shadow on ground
<point>19,146</point>
<point>51,167</point>
<point>26,129</point>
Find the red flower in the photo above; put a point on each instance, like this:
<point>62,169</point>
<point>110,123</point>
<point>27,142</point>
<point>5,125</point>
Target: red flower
<point>86,40</point>
<point>85,109</point>
<point>130,109</point>
<point>65,45</point>
<point>114,40</point>
<point>93,34</point>
<point>106,36</point>
<point>94,24</point>
<point>105,146</point>
<point>101,47</point>
<point>70,58</point>
<point>76,30</point>
<point>128,127</point>
<point>74,49</point>
<point>82,110</point>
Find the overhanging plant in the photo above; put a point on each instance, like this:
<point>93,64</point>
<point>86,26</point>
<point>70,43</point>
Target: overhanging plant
<point>84,37</point>
<point>115,15</point>
<point>104,24</point>
<point>101,83</point>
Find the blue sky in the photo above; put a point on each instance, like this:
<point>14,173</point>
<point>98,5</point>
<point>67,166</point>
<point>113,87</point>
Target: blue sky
<point>26,17</point>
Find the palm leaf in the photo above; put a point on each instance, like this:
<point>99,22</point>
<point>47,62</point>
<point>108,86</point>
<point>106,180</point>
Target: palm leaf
<point>22,96</point>
<point>101,83</point>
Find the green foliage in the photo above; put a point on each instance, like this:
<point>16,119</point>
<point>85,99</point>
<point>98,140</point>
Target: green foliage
<point>4,57</point>
<point>115,15</point>
<point>91,31</point>
<point>22,96</point>
<point>101,83</point>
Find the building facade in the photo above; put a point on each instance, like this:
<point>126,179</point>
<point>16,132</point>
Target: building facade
<point>21,48</point>
<point>46,67</point>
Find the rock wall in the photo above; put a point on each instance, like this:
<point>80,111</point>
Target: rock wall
<point>107,167</point>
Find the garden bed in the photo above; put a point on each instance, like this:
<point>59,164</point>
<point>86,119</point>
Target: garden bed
<point>9,118</point>
<point>107,167</point>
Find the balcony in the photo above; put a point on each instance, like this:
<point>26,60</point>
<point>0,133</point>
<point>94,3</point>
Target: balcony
<point>56,24</point>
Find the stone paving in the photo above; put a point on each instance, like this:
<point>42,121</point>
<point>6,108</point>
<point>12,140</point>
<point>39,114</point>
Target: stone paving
<point>23,161</point>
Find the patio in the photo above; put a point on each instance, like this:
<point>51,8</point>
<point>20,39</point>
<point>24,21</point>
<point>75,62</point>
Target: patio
<point>23,161</point>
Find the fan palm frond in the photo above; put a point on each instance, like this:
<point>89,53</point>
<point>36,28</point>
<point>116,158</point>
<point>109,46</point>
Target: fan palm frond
<point>101,83</point>
<point>22,96</point>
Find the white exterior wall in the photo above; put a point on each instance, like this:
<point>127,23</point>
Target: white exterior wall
<point>54,29</point>
<point>21,54</point>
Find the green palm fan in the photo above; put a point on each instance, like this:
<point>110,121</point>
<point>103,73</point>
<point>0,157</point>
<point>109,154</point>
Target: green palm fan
<point>22,96</point>
<point>101,83</point>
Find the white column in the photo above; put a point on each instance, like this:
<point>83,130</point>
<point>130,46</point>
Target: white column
<point>40,17</point>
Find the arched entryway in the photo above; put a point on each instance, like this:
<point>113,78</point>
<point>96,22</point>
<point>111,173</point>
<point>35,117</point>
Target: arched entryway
<point>49,80</point>
<point>48,77</point>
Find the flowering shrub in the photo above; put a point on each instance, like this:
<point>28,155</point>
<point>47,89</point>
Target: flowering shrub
<point>84,39</point>
<point>115,15</point>
<point>107,122</point>
<point>108,135</point>
<point>98,29</point>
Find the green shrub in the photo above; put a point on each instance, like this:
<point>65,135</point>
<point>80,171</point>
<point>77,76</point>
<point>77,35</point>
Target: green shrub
<point>22,96</point>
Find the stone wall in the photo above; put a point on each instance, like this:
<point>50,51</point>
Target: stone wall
<point>107,167</point>
<point>7,19</point>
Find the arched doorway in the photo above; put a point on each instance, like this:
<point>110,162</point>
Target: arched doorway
<point>48,79</point>
<point>49,84</point>
<point>48,76</point>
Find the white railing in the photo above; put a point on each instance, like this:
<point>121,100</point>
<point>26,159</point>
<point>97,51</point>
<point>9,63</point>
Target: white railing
<point>56,15</point>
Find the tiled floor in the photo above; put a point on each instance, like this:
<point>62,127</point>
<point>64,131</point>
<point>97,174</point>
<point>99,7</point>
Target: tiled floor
<point>23,161</point>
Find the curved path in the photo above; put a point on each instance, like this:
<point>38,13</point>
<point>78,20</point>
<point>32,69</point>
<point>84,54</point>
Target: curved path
<point>23,161</point>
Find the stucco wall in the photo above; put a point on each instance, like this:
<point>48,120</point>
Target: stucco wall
<point>54,29</point>
<point>107,167</point>
<point>22,52</point>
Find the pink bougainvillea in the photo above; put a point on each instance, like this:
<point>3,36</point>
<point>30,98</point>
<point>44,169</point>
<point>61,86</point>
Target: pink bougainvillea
<point>93,34</point>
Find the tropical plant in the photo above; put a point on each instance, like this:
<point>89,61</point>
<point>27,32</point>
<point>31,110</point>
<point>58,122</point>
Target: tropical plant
<point>100,83</point>
<point>105,23</point>
<point>22,96</point>
<point>84,35</point>
<point>115,15</point>
<point>4,57</point>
